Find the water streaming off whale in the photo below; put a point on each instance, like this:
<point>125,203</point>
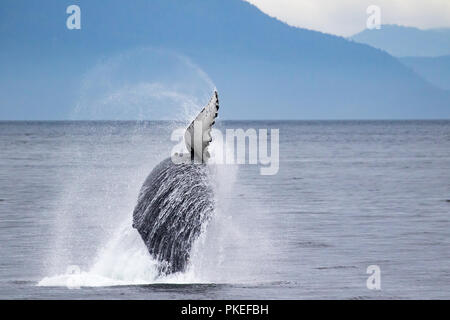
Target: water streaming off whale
<point>175,201</point>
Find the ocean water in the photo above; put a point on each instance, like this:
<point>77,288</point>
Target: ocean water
<point>348,194</point>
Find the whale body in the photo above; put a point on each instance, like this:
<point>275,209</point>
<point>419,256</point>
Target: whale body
<point>176,200</point>
<point>173,205</point>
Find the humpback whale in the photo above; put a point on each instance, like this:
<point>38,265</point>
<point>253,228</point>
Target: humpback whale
<point>176,200</point>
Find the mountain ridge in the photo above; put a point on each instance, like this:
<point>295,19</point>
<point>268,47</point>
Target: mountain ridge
<point>404,41</point>
<point>436,70</point>
<point>262,67</point>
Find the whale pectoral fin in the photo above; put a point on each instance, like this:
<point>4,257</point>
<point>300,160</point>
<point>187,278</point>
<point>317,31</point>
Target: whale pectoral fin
<point>198,135</point>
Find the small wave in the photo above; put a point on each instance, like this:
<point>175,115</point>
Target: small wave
<point>312,244</point>
<point>336,267</point>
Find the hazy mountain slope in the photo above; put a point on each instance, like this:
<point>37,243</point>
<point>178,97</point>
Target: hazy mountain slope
<point>435,70</point>
<point>263,68</point>
<point>407,41</point>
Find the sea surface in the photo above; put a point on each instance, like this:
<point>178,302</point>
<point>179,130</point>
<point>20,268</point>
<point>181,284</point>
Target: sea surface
<point>348,195</point>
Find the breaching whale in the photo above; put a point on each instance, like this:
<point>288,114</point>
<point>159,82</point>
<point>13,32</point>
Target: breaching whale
<point>176,199</point>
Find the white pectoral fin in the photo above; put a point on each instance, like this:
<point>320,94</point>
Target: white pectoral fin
<point>198,135</point>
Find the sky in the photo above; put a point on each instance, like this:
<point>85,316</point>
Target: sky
<point>347,17</point>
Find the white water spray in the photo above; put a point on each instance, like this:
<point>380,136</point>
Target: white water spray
<point>98,199</point>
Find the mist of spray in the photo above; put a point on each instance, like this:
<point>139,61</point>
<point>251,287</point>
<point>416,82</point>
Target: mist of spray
<point>110,160</point>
